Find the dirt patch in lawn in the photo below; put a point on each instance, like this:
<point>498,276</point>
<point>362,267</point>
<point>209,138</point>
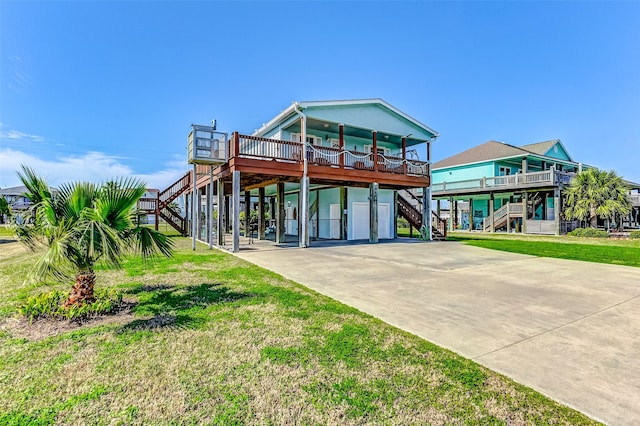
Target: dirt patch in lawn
<point>43,328</point>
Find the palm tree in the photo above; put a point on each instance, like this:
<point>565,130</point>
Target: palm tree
<point>597,193</point>
<point>84,224</point>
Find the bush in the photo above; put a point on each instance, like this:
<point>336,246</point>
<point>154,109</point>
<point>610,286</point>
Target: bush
<point>589,233</point>
<point>49,305</point>
<point>634,234</point>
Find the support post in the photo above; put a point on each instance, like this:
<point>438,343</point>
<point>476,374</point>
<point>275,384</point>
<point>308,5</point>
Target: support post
<point>425,231</point>
<point>194,209</point>
<point>157,212</point>
<point>404,156</point>
<point>395,214</point>
<point>247,213</point>
<point>341,141</point>
<point>471,217</point>
<point>525,212</point>
<point>303,214</point>
<point>491,210</point>
<point>343,214</point>
<point>451,215</point>
<point>261,222</point>
<point>227,214</point>
<point>557,208</point>
<point>373,212</point>
<point>280,213</point>
<point>210,208</point>
<point>221,208</point>
<point>235,195</point>
<point>374,136</point>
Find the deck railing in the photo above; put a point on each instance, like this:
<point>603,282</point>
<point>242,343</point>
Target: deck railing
<point>509,209</point>
<point>635,199</point>
<point>255,147</point>
<point>147,204</point>
<point>274,149</point>
<point>546,177</point>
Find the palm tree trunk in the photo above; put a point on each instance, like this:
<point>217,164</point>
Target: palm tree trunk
<point>82,290</point>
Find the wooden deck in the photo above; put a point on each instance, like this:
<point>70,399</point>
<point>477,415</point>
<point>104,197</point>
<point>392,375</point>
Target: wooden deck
<point>263,161</point>
<point>522,181</point>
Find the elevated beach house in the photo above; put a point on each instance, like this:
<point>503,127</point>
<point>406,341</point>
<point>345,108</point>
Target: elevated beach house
<point>506,187</point>
<point>325,170</point>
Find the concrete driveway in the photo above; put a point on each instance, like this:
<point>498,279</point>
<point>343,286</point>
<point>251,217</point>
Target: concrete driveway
<point>569,329</point>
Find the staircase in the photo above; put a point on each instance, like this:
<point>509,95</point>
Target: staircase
<point>410,208</point>
<point>502,216</point>
<point>162,205</point>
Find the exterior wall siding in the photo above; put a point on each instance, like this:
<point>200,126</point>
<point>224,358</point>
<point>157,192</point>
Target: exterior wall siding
<point>363,115</point>
<point>454,174</point>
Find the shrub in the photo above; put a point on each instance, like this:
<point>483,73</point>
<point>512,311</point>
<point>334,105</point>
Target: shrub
<point>634,234</point>
<point>589,233</point>
<point>49,305</point>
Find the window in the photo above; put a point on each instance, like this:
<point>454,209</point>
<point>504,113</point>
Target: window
<point>504,171</point>
<point>314,140</point>
<point>381,150</point>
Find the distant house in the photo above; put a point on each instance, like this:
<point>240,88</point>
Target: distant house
<point>15,198</point>
<point>507,187</point>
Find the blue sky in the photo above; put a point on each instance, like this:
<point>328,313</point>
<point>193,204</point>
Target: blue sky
<point>92,90</point>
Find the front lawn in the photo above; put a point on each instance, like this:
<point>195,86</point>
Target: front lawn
<point>612,251</point>
<point>212,339</point>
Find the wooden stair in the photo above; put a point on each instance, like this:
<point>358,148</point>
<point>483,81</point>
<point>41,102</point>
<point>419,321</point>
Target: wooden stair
<point>161,206</point>
<point>412,212</point>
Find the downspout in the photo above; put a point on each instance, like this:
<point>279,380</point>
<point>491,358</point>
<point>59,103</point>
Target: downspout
<point>304,187</point>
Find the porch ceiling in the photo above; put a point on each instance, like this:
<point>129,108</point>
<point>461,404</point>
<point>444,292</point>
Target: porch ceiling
<point>332,130</point>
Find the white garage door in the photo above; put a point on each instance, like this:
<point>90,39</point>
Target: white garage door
<point>360,221</point>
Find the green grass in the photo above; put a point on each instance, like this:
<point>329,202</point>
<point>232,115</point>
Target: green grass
<point>216,340</point>
<point>5,231</point>
<point>615,252</point>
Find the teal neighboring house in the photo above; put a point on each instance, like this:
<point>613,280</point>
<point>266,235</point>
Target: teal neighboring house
<point>506,187</point>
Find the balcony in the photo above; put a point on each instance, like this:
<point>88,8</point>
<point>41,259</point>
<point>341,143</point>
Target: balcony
<point>546,178</point>
<point>284,154</point>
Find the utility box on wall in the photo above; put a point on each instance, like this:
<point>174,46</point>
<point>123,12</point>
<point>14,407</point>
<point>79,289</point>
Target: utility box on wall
<point>206,146</point>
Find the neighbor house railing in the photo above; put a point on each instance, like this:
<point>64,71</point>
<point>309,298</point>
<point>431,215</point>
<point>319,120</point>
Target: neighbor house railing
<point>546,177</point>
<point>274,149</point>
<point>509,209</point>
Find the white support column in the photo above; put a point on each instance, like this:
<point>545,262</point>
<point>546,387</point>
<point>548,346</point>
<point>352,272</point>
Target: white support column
<point>304,212</point>
<point>194,209</point>
<point>235,194</point>
<point>373,212</point>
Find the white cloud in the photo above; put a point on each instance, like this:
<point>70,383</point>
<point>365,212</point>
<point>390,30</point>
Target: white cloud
<point>92,166</point>
<point>16,135</point>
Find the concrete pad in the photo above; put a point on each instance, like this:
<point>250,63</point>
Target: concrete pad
<point>568,329</point>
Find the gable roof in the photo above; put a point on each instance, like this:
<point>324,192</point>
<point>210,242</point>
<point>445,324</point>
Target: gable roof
<point>493,150</point>
<point>540,148</point>
<point>487,151</point>
<point>543,148</point>
<point>296,106</point>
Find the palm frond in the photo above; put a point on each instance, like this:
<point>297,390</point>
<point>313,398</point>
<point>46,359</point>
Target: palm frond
<point>148,242</point>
